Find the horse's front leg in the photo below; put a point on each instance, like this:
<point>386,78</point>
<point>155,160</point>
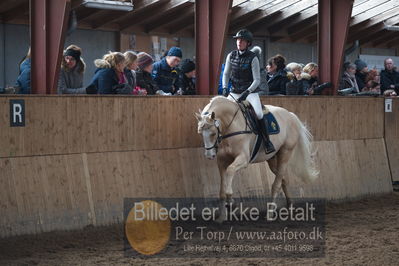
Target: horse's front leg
<point>226,188</point>
<point>222,165</point>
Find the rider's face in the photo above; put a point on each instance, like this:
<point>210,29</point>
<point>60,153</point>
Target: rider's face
<point>241,44</point>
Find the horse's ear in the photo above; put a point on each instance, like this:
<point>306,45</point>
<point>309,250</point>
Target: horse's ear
<point>198,116</point>
<point>213,115</point>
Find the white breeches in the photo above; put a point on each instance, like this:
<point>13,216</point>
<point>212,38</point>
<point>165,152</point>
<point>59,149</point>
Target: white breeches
<point>254,99</point>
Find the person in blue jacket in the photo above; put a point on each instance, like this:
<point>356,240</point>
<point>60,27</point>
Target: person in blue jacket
<point>23,80</point>
<point>165,73</point>
<point>108,75</point>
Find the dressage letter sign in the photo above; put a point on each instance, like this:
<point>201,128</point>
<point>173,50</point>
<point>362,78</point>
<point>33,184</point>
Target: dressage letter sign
<point>17,113</point>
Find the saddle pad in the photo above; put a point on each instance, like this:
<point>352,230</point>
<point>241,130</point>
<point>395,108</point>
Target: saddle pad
<point>272,125</point>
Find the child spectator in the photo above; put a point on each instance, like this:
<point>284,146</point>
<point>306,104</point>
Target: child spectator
<point>277,76</point>
<point>70,80</point>
<point>186,84</point>
<point>23,80</point>
<point>165,73</point>
<point>143,74</point>
<point>109,74</point>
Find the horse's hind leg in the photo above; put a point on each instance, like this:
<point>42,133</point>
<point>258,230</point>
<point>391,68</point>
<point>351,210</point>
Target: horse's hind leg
<point>283,157</point>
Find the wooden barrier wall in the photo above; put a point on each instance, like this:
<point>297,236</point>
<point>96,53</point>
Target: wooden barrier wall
<point>392,138</point>
<point>78,157</point>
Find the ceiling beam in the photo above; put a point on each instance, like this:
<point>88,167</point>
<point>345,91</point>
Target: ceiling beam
<point>282,26</point>
<point>180,24</point>
<point>370,30</point>
<point>369,38</point>
<point>245,10</point>
<point>173,16</point>
<point>140,7</point>
<point>6,5</point>
<point>264,13</point>
<point>292,9</point>
<point>167,8</point>
<point>16,12</point>
<point>359,7</point>
<point>383,40</point>
<point>394,42</point>
<point>375,11</point>
<point>365,6</point>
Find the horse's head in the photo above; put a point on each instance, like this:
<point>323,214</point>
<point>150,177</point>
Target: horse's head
<point>208,127</point>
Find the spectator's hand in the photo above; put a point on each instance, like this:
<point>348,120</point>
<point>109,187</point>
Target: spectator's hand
<point>243,96</point>
<point>310,91</point>
<point>142,92</point>
<point>225,92</point>
<point>91,89</point>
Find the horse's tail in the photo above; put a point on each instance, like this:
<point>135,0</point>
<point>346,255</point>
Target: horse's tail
<point>302,161</point>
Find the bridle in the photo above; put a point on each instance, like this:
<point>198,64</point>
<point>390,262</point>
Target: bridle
<point>221,137</point>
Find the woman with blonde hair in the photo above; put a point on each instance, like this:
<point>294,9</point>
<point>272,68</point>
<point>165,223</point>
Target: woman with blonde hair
<point>70,80</point>
<point>130,74</point>
<point>109,75</point>
<point>298,81</point>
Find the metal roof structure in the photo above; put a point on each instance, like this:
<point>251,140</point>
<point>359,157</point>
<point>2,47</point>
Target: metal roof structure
<point>281,20</point>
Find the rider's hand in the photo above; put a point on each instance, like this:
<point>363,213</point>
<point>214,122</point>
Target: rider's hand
<point>243,96</point>
<point>225,92</point>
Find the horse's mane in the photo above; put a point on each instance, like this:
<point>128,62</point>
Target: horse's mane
<point>216,101</point>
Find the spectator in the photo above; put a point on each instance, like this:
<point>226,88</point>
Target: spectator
<point>109,74</point>
<point>186,83</point>
<point>165,73</point>
<point>70,80</point>
<point>373,82</point>
<point>361,73</point>
<point>348,78</point>
<point>23,80</point>
<point>131,67</point>
<point>299,81</point>
<point>143,74</point>
<point>389,77</point>
<point>277,76</point>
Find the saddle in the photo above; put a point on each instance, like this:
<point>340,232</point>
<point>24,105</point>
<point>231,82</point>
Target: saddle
<point>253,122</point>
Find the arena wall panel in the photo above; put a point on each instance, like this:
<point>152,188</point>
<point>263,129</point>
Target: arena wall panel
<point>392,138</point>
<point>78,157</point>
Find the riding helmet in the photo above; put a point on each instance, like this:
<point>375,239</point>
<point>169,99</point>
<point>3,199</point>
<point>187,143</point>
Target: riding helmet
<point>244,34</point>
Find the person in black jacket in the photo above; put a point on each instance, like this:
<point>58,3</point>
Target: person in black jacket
<point>277,76</point>
<point>389,77</point>
<point>361,73</point>
<point>299,81</point>
<point>185,83</point>
<point>143,74</point>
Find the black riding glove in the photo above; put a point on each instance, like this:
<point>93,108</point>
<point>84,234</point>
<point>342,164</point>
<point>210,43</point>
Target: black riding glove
<point>243,96</point>
<point>225,92</point>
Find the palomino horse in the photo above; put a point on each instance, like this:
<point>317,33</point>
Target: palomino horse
<point>222,126</point>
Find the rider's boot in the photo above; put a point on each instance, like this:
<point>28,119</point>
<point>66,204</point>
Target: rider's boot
<point>265,134</point>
